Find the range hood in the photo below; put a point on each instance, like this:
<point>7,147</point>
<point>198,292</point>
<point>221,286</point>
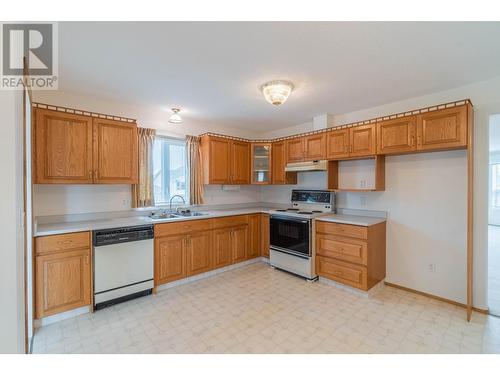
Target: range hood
<point>317,165</point>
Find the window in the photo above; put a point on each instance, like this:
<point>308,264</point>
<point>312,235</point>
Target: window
<point>495,185</point>
<point>170,175</point>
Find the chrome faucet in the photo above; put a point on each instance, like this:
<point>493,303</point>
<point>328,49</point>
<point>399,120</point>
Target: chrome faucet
<point>173,196</point>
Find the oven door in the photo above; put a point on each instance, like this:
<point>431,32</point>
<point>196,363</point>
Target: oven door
<point>291,235</point>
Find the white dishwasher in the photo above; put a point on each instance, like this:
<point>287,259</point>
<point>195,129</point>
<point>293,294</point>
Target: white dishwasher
<point>123,264</point>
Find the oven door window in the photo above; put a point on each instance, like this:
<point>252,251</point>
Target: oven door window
<point>290,234</point>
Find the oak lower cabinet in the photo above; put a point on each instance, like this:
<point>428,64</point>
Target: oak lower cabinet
<point>62,273</point>
<point>199,252</point>
<point>182,249</point>
<point>351,254</point>
<point>264,236</point>
<point>254,232</point>
<point>222,247</point>
<point>230,245</point>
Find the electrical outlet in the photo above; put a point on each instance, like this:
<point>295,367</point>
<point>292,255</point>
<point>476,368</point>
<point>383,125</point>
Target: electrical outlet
<point>362,200</point>
<point>362,184</point>
<point>432,267</point>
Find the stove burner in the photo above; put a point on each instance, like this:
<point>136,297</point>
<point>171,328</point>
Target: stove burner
<point>281,210</point>
<point>305,212</point>
<point>316,211</point>
<point>292,209</point>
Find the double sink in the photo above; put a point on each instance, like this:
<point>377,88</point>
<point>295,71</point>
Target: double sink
<point>175,215</point>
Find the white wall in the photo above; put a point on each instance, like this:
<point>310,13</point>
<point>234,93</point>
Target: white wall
<point>486,99</point>
<point>57,200</point>
<point>11,231</point>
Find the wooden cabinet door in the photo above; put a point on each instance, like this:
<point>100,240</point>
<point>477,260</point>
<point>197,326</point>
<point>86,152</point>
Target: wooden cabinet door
<point>264,239</point>
<point>442,129</point>
<point>337,144</point>
<point>115,152</point>
<point>362,140</point>
<point>295,150</point>
<point>396,136</point>
<point>315,147</point>
<point>239,243</point>
<point>278,160</point>
<point>62,282</point>
<point>219,168</point>
<point>63,148</point>
<point>199,252</point>
<point>253,249</point>
<point>240,163</point>
<point>222,247</point>
<point>170,258</point>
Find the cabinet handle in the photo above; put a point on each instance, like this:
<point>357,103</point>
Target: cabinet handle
<point>86,259</point>
<point>419,140</point>
<point>412,140</point>
<point>91,176</point>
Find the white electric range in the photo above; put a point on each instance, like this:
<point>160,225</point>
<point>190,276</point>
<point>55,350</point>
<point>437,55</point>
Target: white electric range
<point>292,229</point>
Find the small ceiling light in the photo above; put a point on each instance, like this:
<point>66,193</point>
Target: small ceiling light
<point>277,92</point>
<point>175,118</point>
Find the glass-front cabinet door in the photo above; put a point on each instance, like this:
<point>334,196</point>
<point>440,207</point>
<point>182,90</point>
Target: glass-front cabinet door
<point>261,163</point>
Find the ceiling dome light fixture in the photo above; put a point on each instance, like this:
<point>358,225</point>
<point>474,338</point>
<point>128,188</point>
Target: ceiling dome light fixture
<point>277,92</point>
<point>175,118</point>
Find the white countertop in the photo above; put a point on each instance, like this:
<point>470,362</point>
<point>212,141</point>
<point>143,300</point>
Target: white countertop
<point>50,228</point>
<point>364,221</point>
<point>46,229</point>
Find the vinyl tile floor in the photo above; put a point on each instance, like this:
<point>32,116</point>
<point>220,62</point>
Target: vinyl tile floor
<point>256,309</point>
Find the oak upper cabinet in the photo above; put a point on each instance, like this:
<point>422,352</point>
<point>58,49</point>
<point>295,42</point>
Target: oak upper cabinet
<point>443,129</point>
<point>115,152</point>
<point>222,247</point>
<point>77,149</point>
<point>362,140</point>
<point>199,252</point>
<point>337,144</point>
<point>315,147</point>
<point>170,258</point>
<point>62,273</point>
<point>254,224</point>
<point>295,150</point>
<point>264,232</point>
<point>240,163</point>
<point>225,161</point>
<point>397,135</point>
<point>63,148</point>
<point>261,163</point>
<point>278,161</point>
<point>216,153</point>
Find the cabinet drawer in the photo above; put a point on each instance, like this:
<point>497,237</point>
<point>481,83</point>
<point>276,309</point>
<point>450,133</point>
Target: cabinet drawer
<point>61,242</point>
<point>342,248</point>
<point>187,226</point>
<point>342,272</point>
<point>230,221</point>
<point>348,230</point>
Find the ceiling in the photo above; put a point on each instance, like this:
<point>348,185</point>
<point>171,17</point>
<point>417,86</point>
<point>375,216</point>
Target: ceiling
<point>213,70</point>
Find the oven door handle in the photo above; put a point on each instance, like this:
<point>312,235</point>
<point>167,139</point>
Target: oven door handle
<point>288,218</point>
<point>285,251</point>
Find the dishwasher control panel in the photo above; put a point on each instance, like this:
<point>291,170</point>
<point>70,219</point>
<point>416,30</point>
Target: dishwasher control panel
<point>120,235</point>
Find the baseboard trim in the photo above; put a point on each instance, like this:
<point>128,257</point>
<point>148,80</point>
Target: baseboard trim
<point>61,316</point>
<point>482,311</point>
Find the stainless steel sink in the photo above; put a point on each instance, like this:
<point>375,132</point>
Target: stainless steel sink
<point>163,216</point>
<point>190,214</point>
